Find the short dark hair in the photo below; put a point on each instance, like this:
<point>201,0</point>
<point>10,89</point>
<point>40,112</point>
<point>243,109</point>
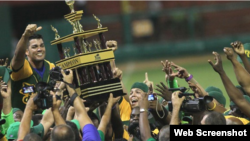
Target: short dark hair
<point>37,119</point>
<point>74,129</point>
<point>58,135</point>
<point>36,36</point>
<point>215,118</point>
<point>164,134</point>
<point>32,137</point>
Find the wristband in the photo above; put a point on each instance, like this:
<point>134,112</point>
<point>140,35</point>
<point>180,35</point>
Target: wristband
<point>189,77</point>
<point>213,107</point>
<point>143,110</point>
<point>72,99</point>
<point>70,85</point>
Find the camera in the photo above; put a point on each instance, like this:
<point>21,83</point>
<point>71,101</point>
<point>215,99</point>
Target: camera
<point>191,105</point>
<point>44,99</point>
<point>55,73</point>
<point>152,97</point>
<point>28,89</point>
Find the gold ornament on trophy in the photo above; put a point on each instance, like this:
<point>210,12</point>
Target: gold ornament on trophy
<point>57,36</point>
<point>70,3</point>
<point>99,25</point>
<point>93,77</point>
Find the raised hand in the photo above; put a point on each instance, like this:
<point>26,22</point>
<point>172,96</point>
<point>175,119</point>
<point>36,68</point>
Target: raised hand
<point>112,44</point>
<point>5,90</point>
<point>30,104</point>
<point>229,53</point>
<point>67,78</point>
<point>56,103</point>
<point>112,101</point>
<point>238,47</point>
<point>117,73</point>
<point>176,101</point>
<point>148,83</point>
<point>217,66</point>
<point>164,92</point>
<point>31,29</point>
<point>168,70</point>
<point>182,72</point>
<point>197,91</point>
<point>144,103</point>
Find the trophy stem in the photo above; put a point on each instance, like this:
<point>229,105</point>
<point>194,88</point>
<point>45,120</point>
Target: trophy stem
<point>72,8</point>
<point>96,73</point>
<point>102,71</point>
<point>108,70</point>
<point>107,64</point>
<point>85,75</point>
<point>92,74</point>
<point>77,44</point>
<point>60,50</point>
<point>102,40</point>
<point>82,46</point>
<point>77,77</point>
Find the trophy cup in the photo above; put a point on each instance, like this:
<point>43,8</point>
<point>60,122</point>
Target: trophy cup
<point>93,77</point>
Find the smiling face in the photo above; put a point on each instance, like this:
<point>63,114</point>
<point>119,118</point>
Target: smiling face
<point>135,96</point>
<point>36,50</point>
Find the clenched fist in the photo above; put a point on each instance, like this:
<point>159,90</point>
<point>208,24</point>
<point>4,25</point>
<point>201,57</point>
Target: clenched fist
<point>112,44</point>
<point>31,29</point>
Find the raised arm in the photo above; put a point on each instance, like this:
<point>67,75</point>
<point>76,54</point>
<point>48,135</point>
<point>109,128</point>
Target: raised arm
<point>176,104</point>
<point>234,94</point>
<point>55,111</point>
<point>80,111</point>
<point>143,121</point>
<point>6,95</point>
<point>47,120</point>
<point>159,112</point>
<point>107,114</point>
<point>183,74</point>
<point>242,75</point>
<point>19,56</point>
<point>24,128</point>
<point>239,49</point>
<point>170,79</point>
<point>6,110</point>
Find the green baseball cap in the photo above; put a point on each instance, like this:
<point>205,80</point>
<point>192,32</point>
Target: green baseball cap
<point>141,86</point>
<point>12,132</point>
<point>247,52</point>
<point>245,96</point>
<point>76,123</point>
<point>218,96</point>
<point>16,109</point>
<point>5,73</point>
<point>213,88</point>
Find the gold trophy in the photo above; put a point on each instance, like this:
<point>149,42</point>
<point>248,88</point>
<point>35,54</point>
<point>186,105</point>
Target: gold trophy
<point>57,36</point>
<point>93,77</point>
<point>99,25</point>
<point>70,3</point>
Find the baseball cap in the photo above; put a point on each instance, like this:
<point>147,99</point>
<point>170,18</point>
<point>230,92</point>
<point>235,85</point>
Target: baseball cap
<point>141,86</point>
<point>76,123</point>
<point>12,132</point>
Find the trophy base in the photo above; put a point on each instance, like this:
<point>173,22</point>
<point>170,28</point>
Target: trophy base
<point>99,91</point>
